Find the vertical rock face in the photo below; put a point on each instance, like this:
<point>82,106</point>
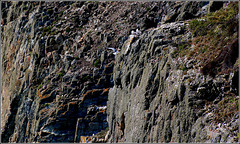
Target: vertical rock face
<point>61,84</point>
<point>160,97</point>
<point>49,94</point>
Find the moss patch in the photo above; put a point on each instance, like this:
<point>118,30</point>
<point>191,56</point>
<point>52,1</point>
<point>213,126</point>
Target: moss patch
<point>216,41</point>
<point>40,86</point>
<point>97,63</point>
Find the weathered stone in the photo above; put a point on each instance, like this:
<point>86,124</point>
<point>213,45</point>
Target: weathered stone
<point>52,91</point>
<point>161,94</point>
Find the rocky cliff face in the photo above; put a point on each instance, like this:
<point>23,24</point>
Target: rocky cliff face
<point>160,93</point>
<point>61,84</point>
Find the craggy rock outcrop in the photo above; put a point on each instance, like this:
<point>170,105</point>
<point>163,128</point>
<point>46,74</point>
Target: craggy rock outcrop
<point>160,97</point>
<point>57,74</point>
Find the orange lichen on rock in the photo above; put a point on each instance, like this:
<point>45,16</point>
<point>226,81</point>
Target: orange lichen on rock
<point>45,96</point>
<point>64,113</point>
<point>85,139</point>
<point>94,90</point>
<point>39,94</point>
<point>72,103</point>
<point>89,92</point>
<point>105,90</point>
<point>102,111</point>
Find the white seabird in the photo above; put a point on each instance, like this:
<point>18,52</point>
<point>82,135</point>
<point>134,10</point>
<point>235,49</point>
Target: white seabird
<point>114,50</point>
<point>137,33</point>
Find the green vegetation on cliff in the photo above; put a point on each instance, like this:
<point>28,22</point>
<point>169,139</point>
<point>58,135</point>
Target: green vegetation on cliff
<point>215,40</point>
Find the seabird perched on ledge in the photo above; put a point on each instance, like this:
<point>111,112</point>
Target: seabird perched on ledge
<point>137,33</point>
<point>114,50</point>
